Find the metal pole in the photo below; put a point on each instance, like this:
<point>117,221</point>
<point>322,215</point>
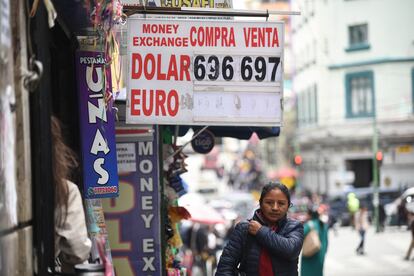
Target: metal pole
<point>375,173</point>
<point>130,10</point>
<point>299,177</point>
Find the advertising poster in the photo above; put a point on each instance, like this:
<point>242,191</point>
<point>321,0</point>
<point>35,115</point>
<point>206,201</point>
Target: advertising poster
<point>204,72</point>
<point>97,122</point>
<point>133,219</point>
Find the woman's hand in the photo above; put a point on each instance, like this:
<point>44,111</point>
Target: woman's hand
<point>254,226</point>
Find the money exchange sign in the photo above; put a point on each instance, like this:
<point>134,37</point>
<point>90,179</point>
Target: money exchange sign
<point>200,72</point>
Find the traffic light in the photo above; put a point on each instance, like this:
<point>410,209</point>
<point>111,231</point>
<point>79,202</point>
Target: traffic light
<point>379,156</point>
<point>297,160</point>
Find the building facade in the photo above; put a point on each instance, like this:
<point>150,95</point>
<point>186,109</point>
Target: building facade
<point>353,80</point>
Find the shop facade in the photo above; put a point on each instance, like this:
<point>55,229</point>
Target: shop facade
<point>130,162</point>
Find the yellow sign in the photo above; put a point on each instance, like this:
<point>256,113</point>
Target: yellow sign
<point>288,182</point>
<point>404,149</point>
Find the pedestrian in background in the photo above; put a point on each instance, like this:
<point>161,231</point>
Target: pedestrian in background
<point>353,207</point>
<point>313,265</point>
<point>410,248</point>
<point>269,243</point>
<point>382,216</point>
<point>72,245</point>
<point>361,225</point>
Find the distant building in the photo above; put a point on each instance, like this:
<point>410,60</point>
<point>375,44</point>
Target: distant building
<point>353,66</point>
<point>277,152</point>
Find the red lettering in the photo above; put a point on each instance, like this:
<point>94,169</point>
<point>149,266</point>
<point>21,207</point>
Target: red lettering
<point>268,32</point>
<point>261,36</point>
<point>173,95</point>
<point>224,42</point>
<point>147,102</point>
<point>172,68</point>
<point>135,102</point>
<point>246,32</point>
<point>135,41</point>
<point>232,41</point>
<point>218,35</point>
<point>146,28</point>
<point>209,31</point>
<point>185,67</point>
<point>149,74</point>
<point>193,40</point>
<point>136,66</point>
<point>254,37</point>
<point>160,103</point>
<point>275,38</point>
<point>149,65</point>
<point>160,75</point>
<point>154,102</point>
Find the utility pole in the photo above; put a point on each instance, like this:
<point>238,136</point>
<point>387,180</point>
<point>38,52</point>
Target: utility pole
<point>375,172</point>
<point>297,162</point>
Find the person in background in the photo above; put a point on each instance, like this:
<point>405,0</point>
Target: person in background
<point>401,214</point>
<point>382,216</point>
<point>269,243</point>
<point>72,245</point>
<point>410,248</point>
<point>353,207</point>
<point>361,225</point>
<point>313,266</point>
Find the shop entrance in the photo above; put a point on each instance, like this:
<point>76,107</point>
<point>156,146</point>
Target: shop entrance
<point>363,172</point>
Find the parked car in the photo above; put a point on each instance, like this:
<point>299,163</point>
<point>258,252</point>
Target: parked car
<point>338,203</point>
<point>405,201</point>
<point>338,210</point>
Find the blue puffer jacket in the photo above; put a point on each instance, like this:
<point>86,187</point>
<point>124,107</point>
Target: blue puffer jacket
<point>283,245</point>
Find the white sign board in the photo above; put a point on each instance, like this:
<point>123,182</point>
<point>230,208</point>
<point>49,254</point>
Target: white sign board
<point>125,153</point>
<point>200,72</point>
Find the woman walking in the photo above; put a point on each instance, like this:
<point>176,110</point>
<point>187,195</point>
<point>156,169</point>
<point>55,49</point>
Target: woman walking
<point>361,225</point>
<point>313,265</point>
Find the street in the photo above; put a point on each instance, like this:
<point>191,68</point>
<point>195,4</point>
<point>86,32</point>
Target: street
<point>384,253</point>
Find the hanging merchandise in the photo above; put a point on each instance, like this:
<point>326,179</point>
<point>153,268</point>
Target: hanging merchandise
<point>98,233</point>
<point>105,15</point>
<point>174,166</point>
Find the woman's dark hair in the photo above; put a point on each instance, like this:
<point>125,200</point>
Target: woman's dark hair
<point>274,185</point>
<point>64,160</point>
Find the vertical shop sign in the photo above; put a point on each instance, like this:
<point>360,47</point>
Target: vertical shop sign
<point>100,175</point>
<point>133,219</point>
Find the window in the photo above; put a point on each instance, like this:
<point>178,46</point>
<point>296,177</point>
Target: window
<point>307,107</point>
<point>358,37</point>
<point>360,95</point>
